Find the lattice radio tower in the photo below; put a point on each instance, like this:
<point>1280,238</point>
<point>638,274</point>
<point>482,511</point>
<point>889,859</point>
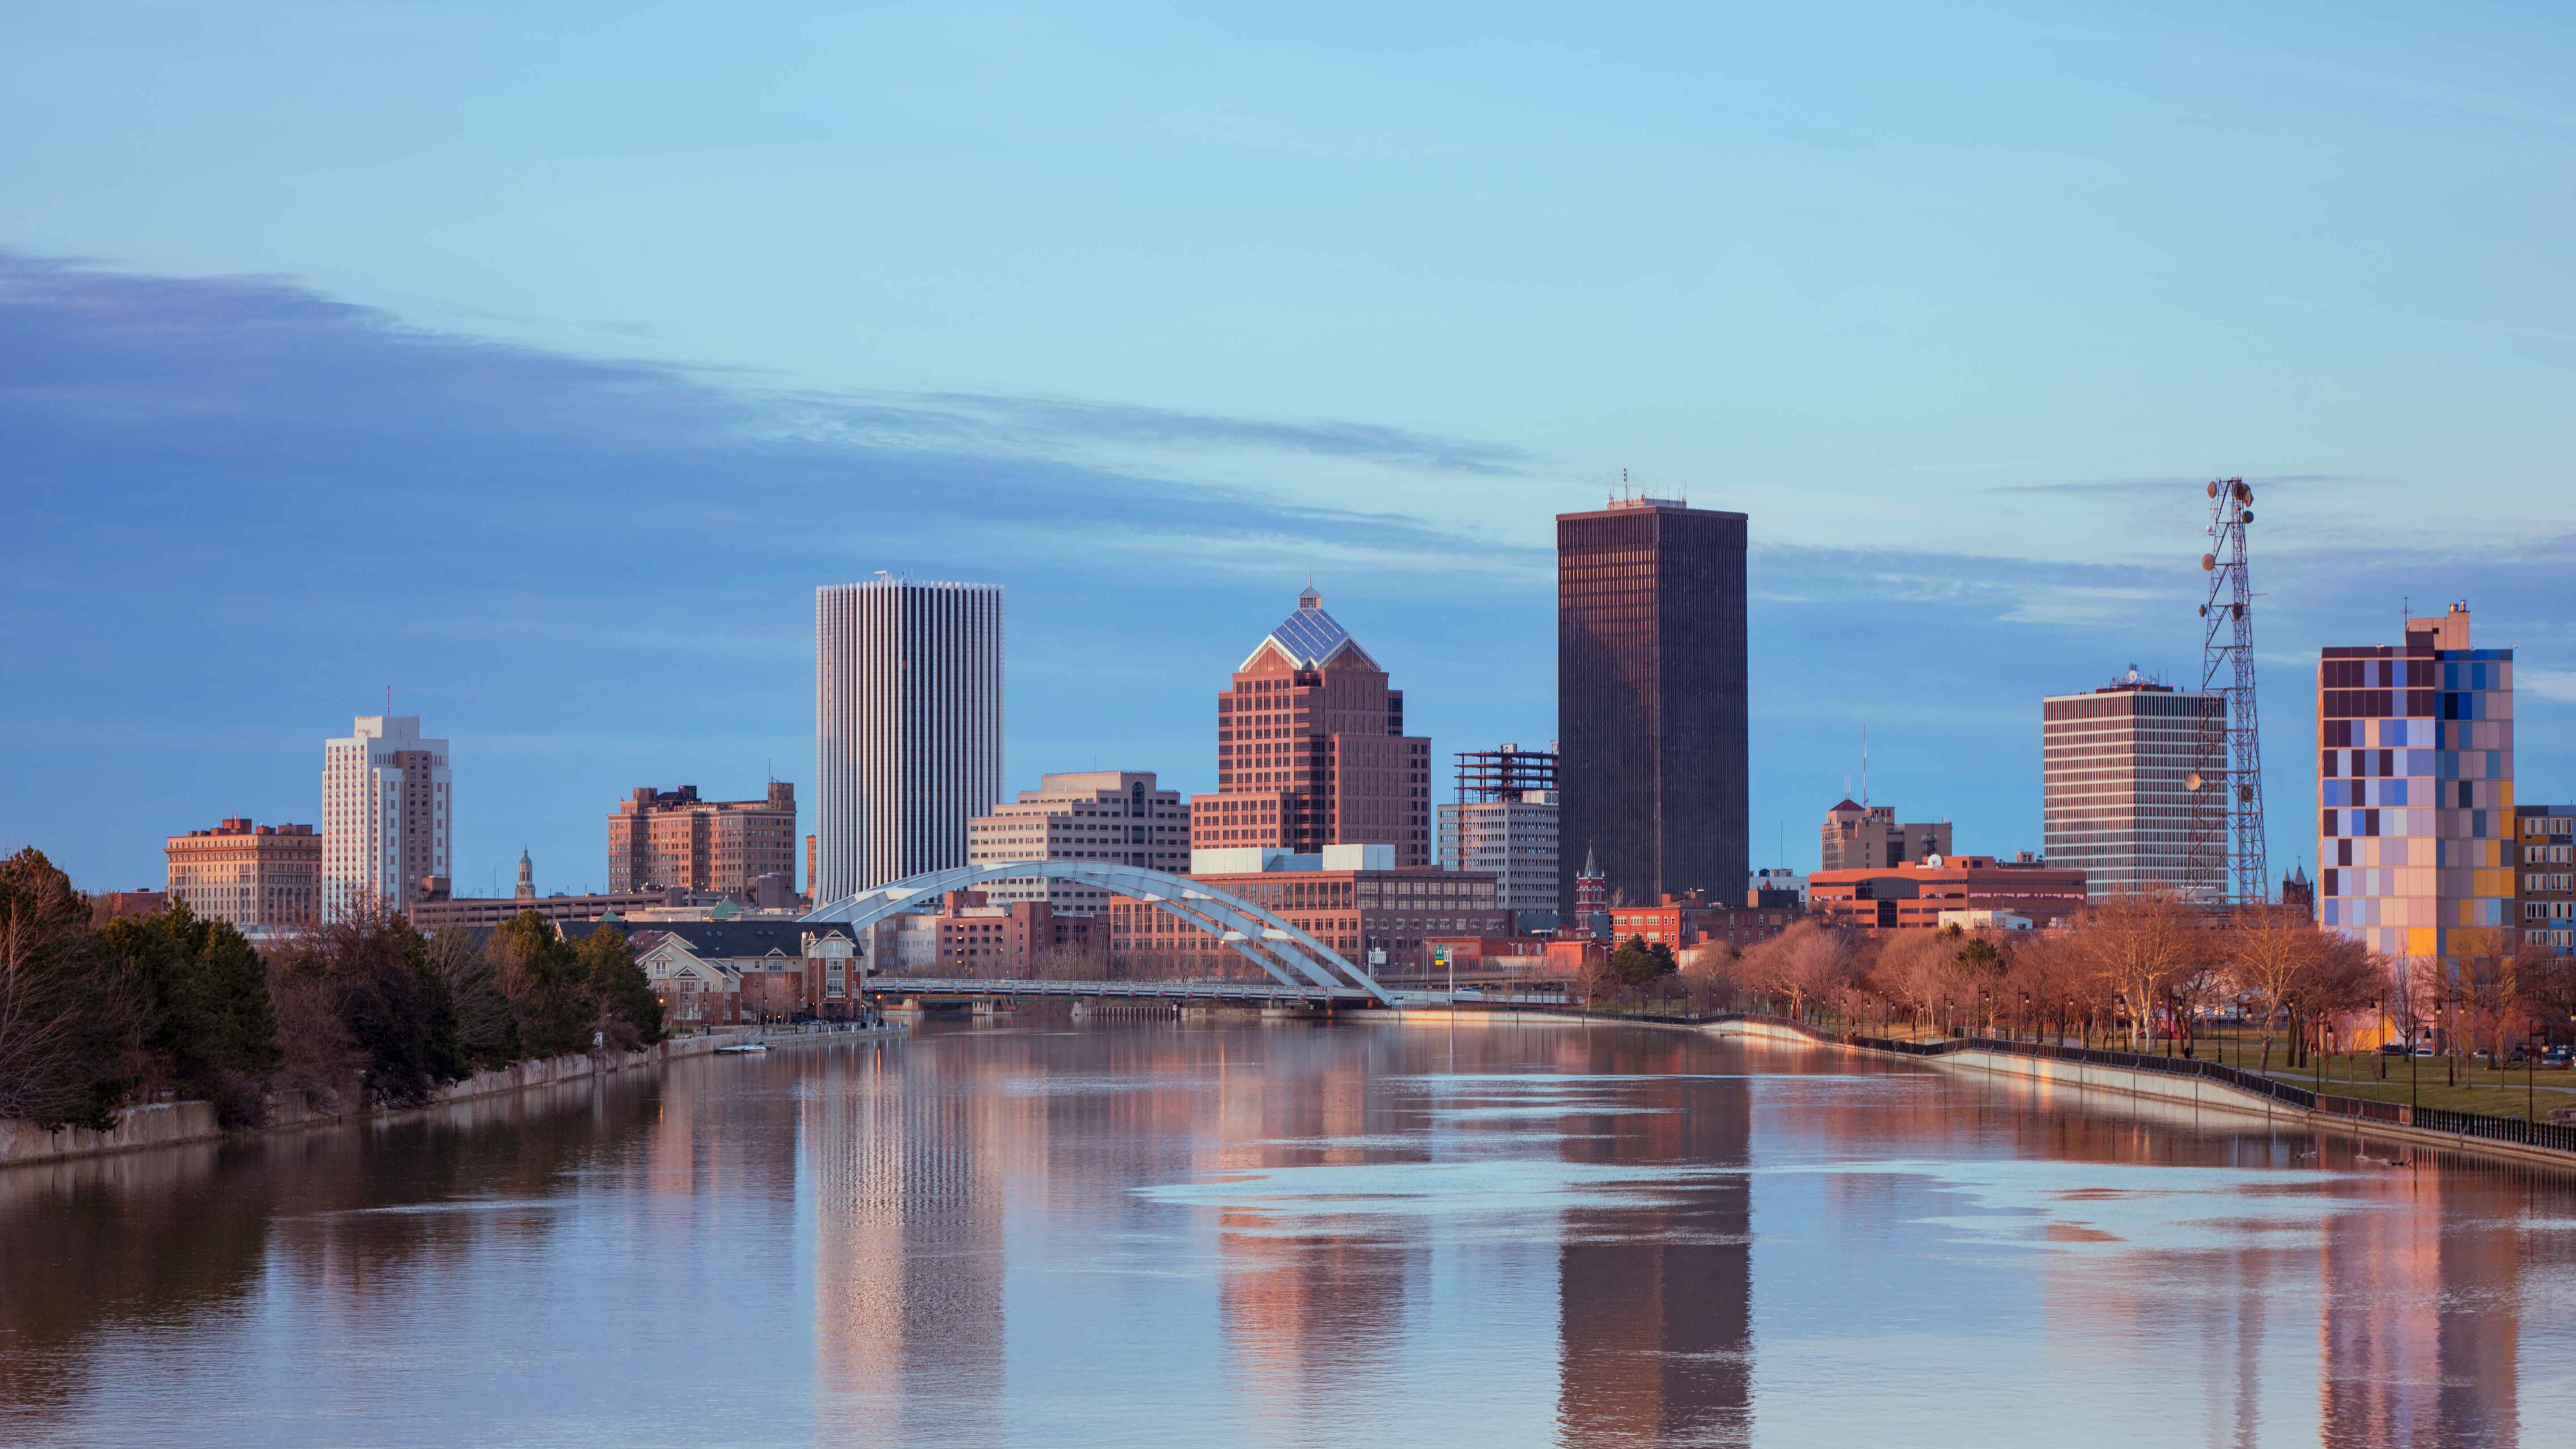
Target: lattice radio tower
<point>2227,864</point>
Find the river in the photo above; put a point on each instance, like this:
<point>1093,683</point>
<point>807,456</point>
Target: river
<point>1289,1234</point>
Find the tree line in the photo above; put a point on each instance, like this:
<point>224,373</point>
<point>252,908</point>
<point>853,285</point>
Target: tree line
<point>2135,969</point>
<point>97,1015</point>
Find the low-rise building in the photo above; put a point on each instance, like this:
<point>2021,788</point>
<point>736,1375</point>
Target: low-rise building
<point>777,970</point>
<point>260,878</point>
<point>1353,898</point>
<point>1682,922</point>
<point>484,912</point>
<point>1913,896</point>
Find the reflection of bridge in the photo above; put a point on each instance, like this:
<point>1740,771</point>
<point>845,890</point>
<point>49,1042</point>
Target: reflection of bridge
<point>1303,968</point>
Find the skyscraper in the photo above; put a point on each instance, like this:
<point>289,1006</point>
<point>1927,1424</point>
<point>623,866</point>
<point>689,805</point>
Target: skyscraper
<point>907,727</point>
<point>2116,771</point>
<point>386,815</point>
<point>1650,687</point>
<point>1311,750</point>
<point>2415,788</point>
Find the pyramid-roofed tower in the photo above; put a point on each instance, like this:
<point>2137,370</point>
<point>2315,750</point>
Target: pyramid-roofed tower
<point>1311,749</point>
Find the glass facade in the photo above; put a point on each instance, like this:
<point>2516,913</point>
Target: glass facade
<point>1651,712</point>
<point>2416,817</point>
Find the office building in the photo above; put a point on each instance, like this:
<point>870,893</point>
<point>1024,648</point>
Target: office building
<point>1311,749</point>
<point>1865,837</point>
<point>2117,766</point>
<point>1916,894</point>
<point>907,727</point>
<point>264,878</point>
<point>1503,824</point>
<point>1650,681</point>
<point>1118,816</point>
<point>1354,898</point>
<point>2545,877</point>
<point>2416,820</point>
<point>672,838</point>
<point>387,816</point>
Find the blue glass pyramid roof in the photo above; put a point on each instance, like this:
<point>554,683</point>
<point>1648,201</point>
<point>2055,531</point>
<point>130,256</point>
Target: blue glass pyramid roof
<point>1310,637</point>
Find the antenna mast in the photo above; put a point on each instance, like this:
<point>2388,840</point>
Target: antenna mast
<point>2227,864</point>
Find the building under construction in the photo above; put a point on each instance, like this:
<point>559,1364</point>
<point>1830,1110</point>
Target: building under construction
<point>1504,824</point>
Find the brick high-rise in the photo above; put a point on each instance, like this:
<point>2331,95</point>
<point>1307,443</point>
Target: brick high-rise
<point>1650,687</point>
<point>266,877</point>
<point>671,838</point>
<point>1311,750</point>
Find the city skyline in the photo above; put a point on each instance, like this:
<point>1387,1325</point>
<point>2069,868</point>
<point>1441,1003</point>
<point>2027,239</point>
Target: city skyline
<point>377,414</point>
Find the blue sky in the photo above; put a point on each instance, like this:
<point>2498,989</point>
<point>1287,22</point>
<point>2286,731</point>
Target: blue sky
<point>540,365</point>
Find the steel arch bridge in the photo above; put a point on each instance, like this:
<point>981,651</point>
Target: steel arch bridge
<point>1303,965</point>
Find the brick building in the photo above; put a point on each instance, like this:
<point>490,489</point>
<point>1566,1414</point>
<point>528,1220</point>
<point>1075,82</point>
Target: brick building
<point>1311,750</point>
<point>258,877</point>
<point>671,838</point>
<point>1682,922</point>
<point>1865,837</point>
<point>1913,895</point>
<point>1354,899</point>
<point>2544,859</point>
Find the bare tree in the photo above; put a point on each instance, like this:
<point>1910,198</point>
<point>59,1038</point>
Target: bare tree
<point>2271,953</point>
<point>2134,944</point>
<point>1803,963</point>
<point>1919,969</point>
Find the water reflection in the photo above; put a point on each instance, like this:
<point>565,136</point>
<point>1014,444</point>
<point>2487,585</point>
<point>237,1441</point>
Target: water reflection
<point>1292,1235</point>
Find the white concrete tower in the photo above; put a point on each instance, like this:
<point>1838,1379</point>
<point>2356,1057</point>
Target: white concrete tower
<point>907,727</point>
<point>386,813</point>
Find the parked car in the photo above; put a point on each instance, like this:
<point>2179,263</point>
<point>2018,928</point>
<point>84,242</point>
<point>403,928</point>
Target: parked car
<point>2558,1056</point>
<point>2392,1049</point>
<point>2426,1050</point>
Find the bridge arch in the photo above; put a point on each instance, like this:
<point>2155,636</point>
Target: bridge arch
<point>1286,951</point>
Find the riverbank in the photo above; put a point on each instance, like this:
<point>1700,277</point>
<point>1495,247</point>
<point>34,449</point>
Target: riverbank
<point>171,1124</point>
<point>2097,1074</point>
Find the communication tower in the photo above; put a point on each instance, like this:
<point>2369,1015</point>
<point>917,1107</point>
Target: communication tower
<point>2227,783</point>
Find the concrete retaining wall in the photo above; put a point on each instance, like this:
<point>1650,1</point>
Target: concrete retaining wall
<point>164,1124</point>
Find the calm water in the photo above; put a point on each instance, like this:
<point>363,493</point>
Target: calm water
<point>1287,1234</point>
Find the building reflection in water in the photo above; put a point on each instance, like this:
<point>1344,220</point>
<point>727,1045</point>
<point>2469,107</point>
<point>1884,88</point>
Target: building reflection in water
<point>2420,1313</point>
<point>908,1260</point>
<point>1656,1299</point>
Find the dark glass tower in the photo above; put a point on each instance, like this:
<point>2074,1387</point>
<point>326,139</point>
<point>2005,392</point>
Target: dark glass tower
<point>1650,699</point>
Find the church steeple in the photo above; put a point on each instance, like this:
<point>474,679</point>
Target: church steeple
<point>527,878</point>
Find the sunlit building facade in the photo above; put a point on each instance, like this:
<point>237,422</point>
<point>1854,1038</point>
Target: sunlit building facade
<point>2116,786</point>
<point>2416,820</point>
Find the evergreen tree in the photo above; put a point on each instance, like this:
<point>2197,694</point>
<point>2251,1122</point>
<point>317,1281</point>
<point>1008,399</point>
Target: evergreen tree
<point>64,1025</point>
<point>631,1015</point>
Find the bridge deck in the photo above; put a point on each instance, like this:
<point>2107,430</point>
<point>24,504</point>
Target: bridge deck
<point>1266,992</point>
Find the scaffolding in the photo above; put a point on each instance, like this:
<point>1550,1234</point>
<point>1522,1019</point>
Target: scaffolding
<point>1504,774</point>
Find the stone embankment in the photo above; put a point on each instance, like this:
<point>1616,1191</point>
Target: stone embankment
<point>164,1124</point>
<point>2102,1073</point>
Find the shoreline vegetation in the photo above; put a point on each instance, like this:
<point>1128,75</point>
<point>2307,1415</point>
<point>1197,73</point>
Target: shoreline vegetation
<point>98,1016</point>
<point>2262,989</point>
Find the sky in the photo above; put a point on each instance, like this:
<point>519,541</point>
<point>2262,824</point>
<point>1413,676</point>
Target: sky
<point>537,362</point>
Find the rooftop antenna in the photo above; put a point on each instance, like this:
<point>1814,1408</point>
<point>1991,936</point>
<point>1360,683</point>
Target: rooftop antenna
<point>389,699</point>
<point>1864,767</point>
